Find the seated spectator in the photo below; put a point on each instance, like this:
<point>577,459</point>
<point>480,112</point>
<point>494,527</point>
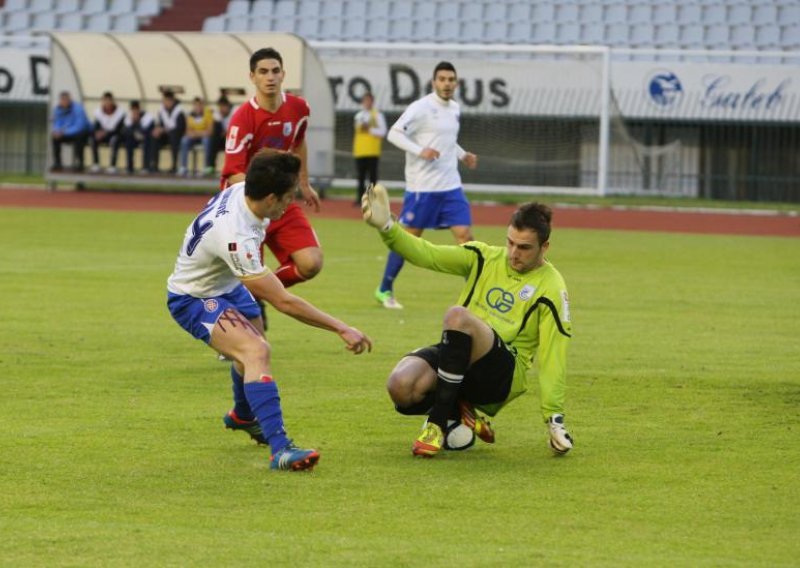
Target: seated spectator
<point>138,131</point>
<point>222,117</point>
<point>107,129</point>
<point>199,128</point>
<point>170,129</point>
<point>69,125</point>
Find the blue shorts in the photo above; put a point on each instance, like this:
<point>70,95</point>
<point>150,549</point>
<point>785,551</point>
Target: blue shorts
<point>435,209</point>
<point>198,316</point>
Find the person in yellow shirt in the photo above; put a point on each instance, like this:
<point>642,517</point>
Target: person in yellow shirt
<point>370,128</point>
<point>199,129</point>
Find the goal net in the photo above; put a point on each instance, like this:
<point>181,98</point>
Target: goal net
<point>542,119</point>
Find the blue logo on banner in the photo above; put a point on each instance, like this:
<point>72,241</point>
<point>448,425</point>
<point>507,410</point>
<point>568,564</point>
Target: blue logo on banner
<point>664,88</point>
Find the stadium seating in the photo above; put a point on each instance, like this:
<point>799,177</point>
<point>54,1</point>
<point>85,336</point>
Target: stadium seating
<point>26,16</point>
<point>680,24</point>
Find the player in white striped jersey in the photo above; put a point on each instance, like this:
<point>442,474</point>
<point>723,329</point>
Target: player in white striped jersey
<point>212,291</point>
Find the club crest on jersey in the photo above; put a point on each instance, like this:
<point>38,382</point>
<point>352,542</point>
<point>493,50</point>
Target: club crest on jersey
<point>527,292</point>
<point>211,305</point>
<point>287,128</point>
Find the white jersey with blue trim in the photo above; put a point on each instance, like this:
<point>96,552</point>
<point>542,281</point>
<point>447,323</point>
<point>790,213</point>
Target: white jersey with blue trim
<point>221,247</point>
<point>434,123</point>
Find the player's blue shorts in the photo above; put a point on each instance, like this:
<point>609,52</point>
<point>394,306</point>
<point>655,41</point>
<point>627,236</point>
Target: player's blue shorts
<point>198,316</point>
<point>435,209</point>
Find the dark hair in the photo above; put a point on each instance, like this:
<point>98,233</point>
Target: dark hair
<point>168,94</point>
<point>271,171</point>
<point>108,95</point>
<point>135,105</point>
<point>443,66</point>
<point>533,217</point>
<point>198,99</point>
<point>264,53</point>
<point>223,100</point>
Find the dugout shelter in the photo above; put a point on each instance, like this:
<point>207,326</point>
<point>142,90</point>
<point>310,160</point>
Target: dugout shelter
<point>138,66</point>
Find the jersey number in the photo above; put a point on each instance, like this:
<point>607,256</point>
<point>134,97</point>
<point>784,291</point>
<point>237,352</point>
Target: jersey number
<point>200,227</point>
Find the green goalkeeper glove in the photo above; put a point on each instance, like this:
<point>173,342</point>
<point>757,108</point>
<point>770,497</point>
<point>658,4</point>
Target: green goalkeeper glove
<point>375,208</point>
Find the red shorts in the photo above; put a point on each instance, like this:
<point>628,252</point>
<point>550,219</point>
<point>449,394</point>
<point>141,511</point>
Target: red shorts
<point>290,233</point>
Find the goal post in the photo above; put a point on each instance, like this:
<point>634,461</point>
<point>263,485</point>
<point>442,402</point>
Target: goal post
<point>538,117</point>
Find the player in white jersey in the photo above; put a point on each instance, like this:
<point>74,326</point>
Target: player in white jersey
<point>434,198</point>
<point>211,295</point>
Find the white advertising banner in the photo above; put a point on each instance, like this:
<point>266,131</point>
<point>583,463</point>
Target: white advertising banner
<point>707,91</point>
<point>24,74</point>
<point>569,86</point>
<point>572,87</point>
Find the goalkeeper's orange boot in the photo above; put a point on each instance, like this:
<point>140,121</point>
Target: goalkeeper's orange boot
<point>476,422</point>
<point>430,442</point>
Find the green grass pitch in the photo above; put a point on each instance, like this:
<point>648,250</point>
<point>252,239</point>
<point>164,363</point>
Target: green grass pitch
<point>684,398</point>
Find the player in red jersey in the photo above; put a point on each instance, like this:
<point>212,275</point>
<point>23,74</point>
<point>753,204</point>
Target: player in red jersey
<point>272,119</point>
<point>275,119</point>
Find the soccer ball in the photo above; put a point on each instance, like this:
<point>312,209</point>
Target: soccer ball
<point>458,437</point>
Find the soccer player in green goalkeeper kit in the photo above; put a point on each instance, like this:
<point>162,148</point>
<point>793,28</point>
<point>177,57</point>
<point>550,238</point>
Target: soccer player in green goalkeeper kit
<point>513,307</point>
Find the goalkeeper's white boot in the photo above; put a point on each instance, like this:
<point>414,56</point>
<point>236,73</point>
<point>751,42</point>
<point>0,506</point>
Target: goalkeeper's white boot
<point>560,440</point>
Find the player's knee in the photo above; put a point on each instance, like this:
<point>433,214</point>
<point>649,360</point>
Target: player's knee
<point>309,264</point>
<point>458,318</point>
<point>399,388</point>
<point>256,353</point>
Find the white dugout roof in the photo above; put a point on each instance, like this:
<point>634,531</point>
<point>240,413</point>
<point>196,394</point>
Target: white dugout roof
<point>137,66</point>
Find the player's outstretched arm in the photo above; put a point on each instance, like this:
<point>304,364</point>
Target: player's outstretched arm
<point>269,288</point>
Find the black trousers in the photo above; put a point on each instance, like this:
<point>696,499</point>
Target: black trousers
<point>78,142</point>
<point>366,167</point>
<point>114,141</point>
<point>171,138</point>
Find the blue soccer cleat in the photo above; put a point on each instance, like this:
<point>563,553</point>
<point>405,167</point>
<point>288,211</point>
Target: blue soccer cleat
<point>292,458</point>
<point>252,427</point>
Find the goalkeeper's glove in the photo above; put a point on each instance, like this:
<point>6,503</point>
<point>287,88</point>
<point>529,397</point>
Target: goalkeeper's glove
<point>375,208</point>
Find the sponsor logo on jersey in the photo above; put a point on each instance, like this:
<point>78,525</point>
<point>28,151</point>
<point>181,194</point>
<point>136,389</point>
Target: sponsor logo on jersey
<point>565,306</point>
<point>527,292</point>
<point>500,300</point>
<point>287,128</point>
<point>210,305</point>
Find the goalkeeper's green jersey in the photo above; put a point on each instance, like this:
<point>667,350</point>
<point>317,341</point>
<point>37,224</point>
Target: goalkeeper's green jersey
<point>530,311</point>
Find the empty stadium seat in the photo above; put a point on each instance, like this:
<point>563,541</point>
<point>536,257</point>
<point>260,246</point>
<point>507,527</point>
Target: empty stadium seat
<point>667,36</point>
<point>739,14</point>
<point>40,5</point>
<point>214,24</point>
<point>768,36</point>
<point>471,31</point>
<point>100,22</point>
<point>237,23</point>
<point>544,32</point>
<point>148,8</point>
<point>520,31</point>
<point>18,21</point>
<point>93,7</point>
<point>15,5</point>
<point>665,13</point>
<point>616,35</point>
<point>743,37</point>
<point>692,35</point>
<point>71,22</point>
<point>45,21</point>
<point>127,23</point>
<point>65,6</point>
<point>690,13</point>
<point>449,30</point>
<point>121,6</point>
<point>354,29</point>
<point>378,29</point>
<point>266,7</point>
<point>615,14</point>
<point>238,8</point>
<point>400,30</point>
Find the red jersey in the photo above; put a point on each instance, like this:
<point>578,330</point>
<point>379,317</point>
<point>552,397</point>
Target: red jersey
<point>252,128</point>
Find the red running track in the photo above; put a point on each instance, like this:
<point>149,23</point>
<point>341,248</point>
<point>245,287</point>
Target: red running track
<point>727,222</point>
